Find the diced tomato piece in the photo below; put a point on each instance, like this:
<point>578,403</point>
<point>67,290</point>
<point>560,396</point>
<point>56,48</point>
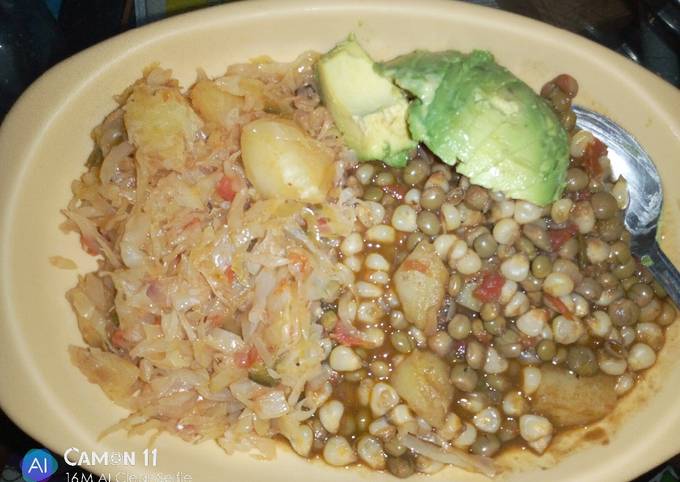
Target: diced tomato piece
<point>90,245</point>
<point>118,338</point>
<point>485,338</point>
<point>558,306</point>
<point>582,195</point>
<point>490,289</point>
<point>560,236</point>
<point>415,265</point>
<point>397,191</point>
<point>346,334</point>
<point>226,188</point>
<point>591,157</point>
<point>246,358</point>
<point>324,225</point>
<point>229,273</point>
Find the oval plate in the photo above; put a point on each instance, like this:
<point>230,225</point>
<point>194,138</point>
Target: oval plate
<point>45,141</point>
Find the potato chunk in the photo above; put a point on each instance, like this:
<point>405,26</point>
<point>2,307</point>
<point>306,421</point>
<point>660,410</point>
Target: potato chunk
<point>283,162</point>
<point>115,375</point>
<point>420,282</point>
<point>422,380</point>
<point>161,125</point>
<point>215,104</point>
<point>568,400</point>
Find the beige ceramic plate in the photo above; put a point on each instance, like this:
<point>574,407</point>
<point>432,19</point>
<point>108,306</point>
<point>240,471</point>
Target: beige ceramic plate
<point>45,141</point>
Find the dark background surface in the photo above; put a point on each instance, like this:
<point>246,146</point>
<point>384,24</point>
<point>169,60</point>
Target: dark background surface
<point>33,38</point>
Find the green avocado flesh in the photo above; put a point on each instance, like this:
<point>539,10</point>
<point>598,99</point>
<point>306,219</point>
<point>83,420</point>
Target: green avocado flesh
<point>368,109</point>
<point>471,111</point>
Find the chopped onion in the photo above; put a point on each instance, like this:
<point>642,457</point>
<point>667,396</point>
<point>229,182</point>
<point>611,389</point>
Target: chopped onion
<point>452,456</point>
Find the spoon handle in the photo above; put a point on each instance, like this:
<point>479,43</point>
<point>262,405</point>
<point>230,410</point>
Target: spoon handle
<point>664,271</point>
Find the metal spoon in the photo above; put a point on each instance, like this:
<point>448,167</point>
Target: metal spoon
<point>629,159</point>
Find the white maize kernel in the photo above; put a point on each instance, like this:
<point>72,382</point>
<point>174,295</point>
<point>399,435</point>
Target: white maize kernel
<point>469,263</point>
<point>597,250</point>
<point>451,216</point>
<point>443,244</point>
<point>377,262</point>
<point>330,414</point>
<point>475,355</point>
<point>380,427</point>
<point>547,333</point>
<point>381,233</point>
<point>624,383</point>
<point>494,363</point>
<point>558,284</point>
<point>422,426</point>
<point>534,427</point>
<point>566,331</point>
<point>507,291</point>
<point>347,307</point>
<point>467,437</point>
<point>369,312</point>
<point>400,414</point>
<point>438,179</point>
<point>353,263</point>
<point>531,379</point>
<point>398,320</point>
<point>651,334</point>
<point>412,197</point>
<point>371,452</point>
<point>440,343</point>
<point>583,216</point>
<point>487,420</point>
<point>472,402</point>
<point>514,404</point>
<point>338,451</point>
<point>379,277</point>
<point>579,142</point>
<point>581,305</point>
<point>352,244</point>
<point>610,295</point>
<point>343,359</point>
<point>518,305</point>
<point>560,210</point>
<point>453,427</point>
<point>506,231</point>
<point>364,391</point>
<point>532,322</point>
<point>526,212</point>
<point>458,250</point>
<point>620,193</point>
<point>599,324</point>
<point>502,209</point>
<point>418,336</point>
<point>368,290</point>
<point>404,219</point>
<point>540,444</point>
<point>516,267</point>
<point>640,357</point>
<point>364,173</point>
<point>370,213</point>
<point>613,366</point>
<point>383,398</point>
<point>301,440</point>
<point>373,337</point>
<point>318,397</point>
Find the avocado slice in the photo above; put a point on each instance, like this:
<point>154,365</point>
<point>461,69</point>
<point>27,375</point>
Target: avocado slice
<point>471,111</point>
<point>368,109</point>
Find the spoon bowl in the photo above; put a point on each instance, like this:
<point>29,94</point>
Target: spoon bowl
<point>630,160</point>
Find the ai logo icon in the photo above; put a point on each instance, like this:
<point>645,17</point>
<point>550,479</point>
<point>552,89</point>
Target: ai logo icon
<point>38,465</point>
